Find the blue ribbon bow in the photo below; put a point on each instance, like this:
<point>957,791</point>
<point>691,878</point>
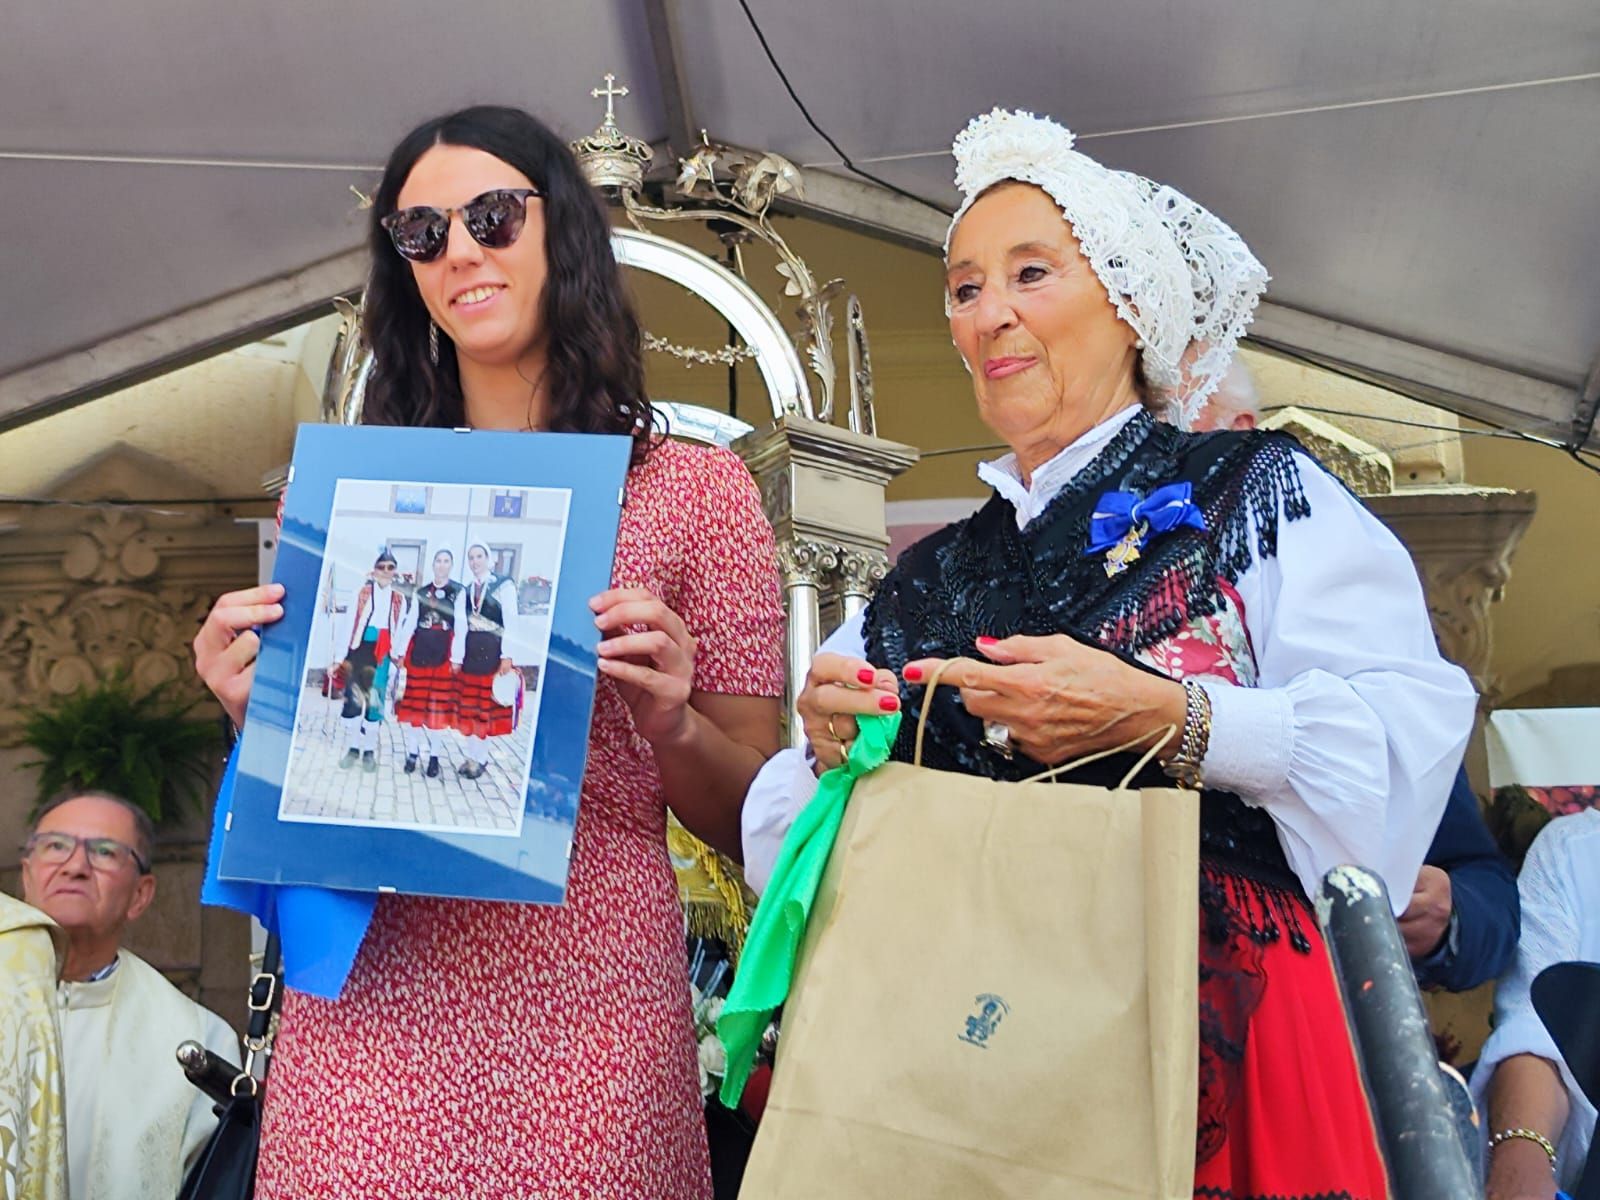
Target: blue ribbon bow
<point>1117,513</point>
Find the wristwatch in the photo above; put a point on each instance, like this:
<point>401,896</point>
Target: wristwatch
<point>1184,767</point>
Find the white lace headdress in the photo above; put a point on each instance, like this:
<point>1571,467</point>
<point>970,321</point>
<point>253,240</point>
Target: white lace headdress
<point>1185,282</point>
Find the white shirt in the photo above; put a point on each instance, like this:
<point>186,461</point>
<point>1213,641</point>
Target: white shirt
<point>1560,892</point>
<point>134,1121</point>
<point>1354,732</point>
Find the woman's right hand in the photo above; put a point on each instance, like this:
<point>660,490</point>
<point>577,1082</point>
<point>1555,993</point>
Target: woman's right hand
<point>838,689</point>
<point>225,649</point>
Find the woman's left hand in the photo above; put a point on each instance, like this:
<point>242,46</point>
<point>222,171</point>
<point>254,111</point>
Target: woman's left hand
<point>649,655</point>
<point>1059,698</point>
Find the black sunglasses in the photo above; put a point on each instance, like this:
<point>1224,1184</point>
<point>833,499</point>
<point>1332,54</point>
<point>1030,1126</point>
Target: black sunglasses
<point>494,220</point>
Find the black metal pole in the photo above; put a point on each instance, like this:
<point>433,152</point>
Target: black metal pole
<point>1416,1127</point>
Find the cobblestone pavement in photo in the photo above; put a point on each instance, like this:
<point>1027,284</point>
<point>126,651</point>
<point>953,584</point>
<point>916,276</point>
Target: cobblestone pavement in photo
<point>318,787</point>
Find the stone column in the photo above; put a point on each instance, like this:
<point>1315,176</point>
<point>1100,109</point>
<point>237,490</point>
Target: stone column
<point>806,567</point>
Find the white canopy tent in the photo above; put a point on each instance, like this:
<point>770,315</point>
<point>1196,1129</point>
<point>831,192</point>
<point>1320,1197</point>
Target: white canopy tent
<point>1422,179</point>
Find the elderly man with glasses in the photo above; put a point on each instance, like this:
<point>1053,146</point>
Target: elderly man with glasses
<point>134,1123</point>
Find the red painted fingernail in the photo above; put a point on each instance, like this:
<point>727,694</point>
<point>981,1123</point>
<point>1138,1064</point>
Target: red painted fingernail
<point>913,674</point>
<point>866,675</point>
<point>889,703</point>
<point>988,641</point>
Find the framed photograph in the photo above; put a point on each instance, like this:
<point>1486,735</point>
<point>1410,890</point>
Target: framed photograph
<point>416,724</point>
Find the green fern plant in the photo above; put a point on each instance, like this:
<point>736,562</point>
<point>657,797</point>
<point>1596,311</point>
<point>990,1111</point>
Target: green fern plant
<point>144,747</point>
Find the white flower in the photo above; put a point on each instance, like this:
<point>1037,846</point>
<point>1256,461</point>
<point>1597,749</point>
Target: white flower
<point>713,1058</point>
<point>713,1010</point>
<point>705,1081</point>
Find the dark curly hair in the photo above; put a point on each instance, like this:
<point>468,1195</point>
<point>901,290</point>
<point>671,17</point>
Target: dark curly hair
<point>595,366</point>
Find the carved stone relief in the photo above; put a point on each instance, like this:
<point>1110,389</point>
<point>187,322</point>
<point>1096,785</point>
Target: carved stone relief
<point>85,593</point>
<point>1462,541</point>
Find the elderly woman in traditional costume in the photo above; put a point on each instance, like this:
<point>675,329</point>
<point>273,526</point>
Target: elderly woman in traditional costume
<point>1127,577</point>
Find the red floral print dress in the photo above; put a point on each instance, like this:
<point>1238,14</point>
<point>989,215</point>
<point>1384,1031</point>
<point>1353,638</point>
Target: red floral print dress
<point>504,1050</point>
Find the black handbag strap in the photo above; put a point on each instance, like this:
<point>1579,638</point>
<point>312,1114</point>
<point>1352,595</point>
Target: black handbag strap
<point>266,998</point>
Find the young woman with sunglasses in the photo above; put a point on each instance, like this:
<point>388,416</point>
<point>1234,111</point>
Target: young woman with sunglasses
<point>498,1049</point>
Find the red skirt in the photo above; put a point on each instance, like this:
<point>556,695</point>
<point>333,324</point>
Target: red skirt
<point>1283,1111</point>
<point>477,714</point>
<point>430,697</point>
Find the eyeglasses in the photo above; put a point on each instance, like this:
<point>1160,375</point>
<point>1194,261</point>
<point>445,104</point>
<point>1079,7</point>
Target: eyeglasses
<point>494,219</point>
<point>384,567</point>
<point>102,853</point>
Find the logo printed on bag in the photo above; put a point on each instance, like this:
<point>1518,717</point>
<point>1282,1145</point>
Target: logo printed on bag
<point>991,1010</point>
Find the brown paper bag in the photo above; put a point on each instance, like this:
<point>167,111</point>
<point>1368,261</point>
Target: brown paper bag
<point>995,998</point>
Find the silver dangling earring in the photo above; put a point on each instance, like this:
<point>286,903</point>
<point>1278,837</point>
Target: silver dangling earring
<point>433,342</point>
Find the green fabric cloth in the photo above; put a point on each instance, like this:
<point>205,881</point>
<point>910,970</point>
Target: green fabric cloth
<point>766,967</point>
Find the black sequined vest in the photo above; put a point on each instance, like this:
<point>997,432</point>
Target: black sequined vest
<point>984,577</point>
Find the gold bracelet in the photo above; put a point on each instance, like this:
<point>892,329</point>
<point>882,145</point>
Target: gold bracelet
<point>1184,766</point>
<point>1527,1135</point>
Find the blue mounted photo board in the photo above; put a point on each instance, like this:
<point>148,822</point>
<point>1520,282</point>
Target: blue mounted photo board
<point>419,719</point>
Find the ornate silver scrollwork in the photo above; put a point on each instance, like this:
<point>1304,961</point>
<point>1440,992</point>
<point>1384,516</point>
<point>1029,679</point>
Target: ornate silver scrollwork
<point>862,417</point>
<point>861,571</point>
<point>807,563</point>
<point>732,186</point>
<point>739,186</point>
<point>345,388</point>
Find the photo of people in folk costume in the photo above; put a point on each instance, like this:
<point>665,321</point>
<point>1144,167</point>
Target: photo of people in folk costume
<point>418,706</point>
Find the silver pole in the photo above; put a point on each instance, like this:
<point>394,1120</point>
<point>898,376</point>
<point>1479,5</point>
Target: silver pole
<point>805,624</point>
<point>804,566</point>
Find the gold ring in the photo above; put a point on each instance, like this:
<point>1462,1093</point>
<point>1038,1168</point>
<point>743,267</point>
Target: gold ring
<point>832,732</point>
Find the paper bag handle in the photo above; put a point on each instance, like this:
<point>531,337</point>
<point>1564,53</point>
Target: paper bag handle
<point>927,703</point>
<point>1166,731</point>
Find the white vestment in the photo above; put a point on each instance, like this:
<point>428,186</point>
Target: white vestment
<point>33,1131</point>
<point>134,1121</point>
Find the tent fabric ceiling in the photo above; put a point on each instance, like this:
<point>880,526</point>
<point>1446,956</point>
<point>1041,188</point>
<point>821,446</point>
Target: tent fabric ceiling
<point>1425,172</point>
